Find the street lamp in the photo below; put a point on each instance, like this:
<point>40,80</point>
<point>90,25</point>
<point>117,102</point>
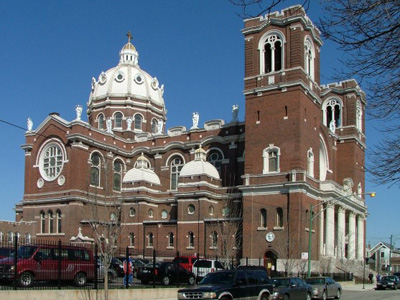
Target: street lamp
<point>371,194</point>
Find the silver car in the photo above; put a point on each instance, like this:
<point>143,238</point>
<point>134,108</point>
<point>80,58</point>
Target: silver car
<point>325,287</point>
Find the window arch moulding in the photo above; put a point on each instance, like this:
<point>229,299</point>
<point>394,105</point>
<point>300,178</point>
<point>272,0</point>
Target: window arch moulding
<point>271,49</point>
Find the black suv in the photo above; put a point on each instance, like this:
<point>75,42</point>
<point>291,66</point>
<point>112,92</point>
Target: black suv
<point>244,282</point>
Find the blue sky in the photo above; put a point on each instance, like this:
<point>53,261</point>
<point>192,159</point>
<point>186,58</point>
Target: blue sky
<point>50,50</point>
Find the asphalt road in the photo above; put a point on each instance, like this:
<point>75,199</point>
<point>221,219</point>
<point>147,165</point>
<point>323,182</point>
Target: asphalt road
<point>371,295</point>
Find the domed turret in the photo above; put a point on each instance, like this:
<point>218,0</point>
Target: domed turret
<point>199,166</point>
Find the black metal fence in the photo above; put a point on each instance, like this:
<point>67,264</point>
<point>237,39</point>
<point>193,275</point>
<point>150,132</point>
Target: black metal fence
<point>38,264</point>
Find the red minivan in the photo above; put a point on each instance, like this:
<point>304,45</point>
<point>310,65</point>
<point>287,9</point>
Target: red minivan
<point>186,261</point>
<point>39,262</point>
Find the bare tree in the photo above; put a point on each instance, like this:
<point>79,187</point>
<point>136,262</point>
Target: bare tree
<point>368,31</point>
<point>105,216</point>
<point>287,253</point>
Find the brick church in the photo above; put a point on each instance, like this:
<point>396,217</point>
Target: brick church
<point>237,188</point>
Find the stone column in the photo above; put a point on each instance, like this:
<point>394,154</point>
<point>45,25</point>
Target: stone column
<point>330,230</point>
<point>341,232</point>
<point>360,237</point>
<point>321,232</point>
<point>352,234</point>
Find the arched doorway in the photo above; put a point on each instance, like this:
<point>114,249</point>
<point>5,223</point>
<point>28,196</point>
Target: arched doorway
<point>270,263</point>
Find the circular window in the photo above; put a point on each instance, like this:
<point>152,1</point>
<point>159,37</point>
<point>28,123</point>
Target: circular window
<point>191,209</point>
<point>211,210</point>
<point>132,212</point>
<point>51,161</point>
<point>138,78</point>
<point>150,213</point>
<point>120,77</point>
<point>164,214</point>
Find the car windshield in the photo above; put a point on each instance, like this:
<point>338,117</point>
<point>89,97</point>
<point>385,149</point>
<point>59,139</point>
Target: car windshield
<point>315,280</point>
<point>26,251</point>
<point>278,282</point>
<point>389,278</point>
<point>218,278</point>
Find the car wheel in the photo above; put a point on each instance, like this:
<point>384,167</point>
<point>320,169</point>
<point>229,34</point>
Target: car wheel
<point>308,296</point>
<point>25,279</point>
<point>80,279</point>
<point>192,280</point>
<point>264,297</point>
<point>165,280</point>
<point>323,295</point>
<point>286,297</point>
<point>338,294</point>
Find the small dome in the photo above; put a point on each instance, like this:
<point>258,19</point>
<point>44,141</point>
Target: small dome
<point>141,172</point>
<point>199,166</point>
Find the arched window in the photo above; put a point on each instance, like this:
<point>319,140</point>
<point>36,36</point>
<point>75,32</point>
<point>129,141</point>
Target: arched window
<point>271,159</point>
<point>359,116</point>
<point>1,236</point>
<point>17,235</point>
<point>42,222</point>
<point>154,126</point>
<point>117,175</point>
<point>214,239</point>
<point>118,120</point>
<point>59,224</point>
<point>191,239</point>
<point>170,239</point>
<point>150,239</point>
<point>271,51</point>
<point>51,221</point>
<point>279,217</point>
<point>10,236</point>
<point>101,121</point>
<point>309,56</point>
<point>215,158</point>
<point>310,163</point>
<point>132,212</point>
<point>332,113</point>
<point>95,169</point>
<point>132,239</point>
<point>138,122</point>
<point>175,167</point>
<point>263,218</point>
<point>323,160</point>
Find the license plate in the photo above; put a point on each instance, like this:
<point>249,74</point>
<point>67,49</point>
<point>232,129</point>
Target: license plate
<point>146,271</point>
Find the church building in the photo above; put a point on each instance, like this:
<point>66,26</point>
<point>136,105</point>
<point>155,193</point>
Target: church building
<point>250,189</point>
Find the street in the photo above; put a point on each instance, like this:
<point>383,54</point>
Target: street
<point>371,295</point>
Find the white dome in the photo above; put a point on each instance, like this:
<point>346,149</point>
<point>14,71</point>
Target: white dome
<point>127,80</point>
<point>199,166</point>
<point>141,172</point>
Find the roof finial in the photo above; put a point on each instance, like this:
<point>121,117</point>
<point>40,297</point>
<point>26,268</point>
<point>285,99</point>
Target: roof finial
<point>129,35</point>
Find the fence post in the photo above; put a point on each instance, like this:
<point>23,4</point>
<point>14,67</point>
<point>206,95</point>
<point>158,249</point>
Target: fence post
<point>126,268</point>
<point>15,262</point>
<point>247,261</point>
<point>154,268</point>
<point>59,266</point>
<point>96,262</point>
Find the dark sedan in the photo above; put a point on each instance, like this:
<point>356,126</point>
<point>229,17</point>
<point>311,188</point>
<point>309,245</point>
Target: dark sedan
<point>292,288</point>
<point>388,282</point>
<point>166,273</point>
<point>325,287</point>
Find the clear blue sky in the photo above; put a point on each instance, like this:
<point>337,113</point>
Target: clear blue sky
<point>50,50</point>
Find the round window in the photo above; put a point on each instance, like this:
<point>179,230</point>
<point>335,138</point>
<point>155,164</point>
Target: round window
<point>120,77</point>
<point>138,78</point>
<point>51,161</point>
<point>164,214</point>
<point>191,209</point>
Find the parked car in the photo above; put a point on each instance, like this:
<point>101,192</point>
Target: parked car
<point>246,282</point>
<point>292,288</point>
<point>5,252</point>
<point>325,287</point>
<point>185,261</point>
<point>202,267</point>
<point>166,273</point>
<point>42,262</point>
<point>112,274</point>
<point>137,262</point>
<point>117,266</point>
<point>388,282</point>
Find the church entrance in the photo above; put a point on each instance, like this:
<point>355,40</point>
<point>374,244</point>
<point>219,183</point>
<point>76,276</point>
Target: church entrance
<point>270,263</point>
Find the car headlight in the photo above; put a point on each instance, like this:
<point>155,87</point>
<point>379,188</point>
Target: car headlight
<point>315,291</point>
<point>390,283</point>
<point>180,296</point>
<point>210,295</point>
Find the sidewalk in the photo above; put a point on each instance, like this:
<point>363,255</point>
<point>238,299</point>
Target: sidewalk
<point>358,287</point>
